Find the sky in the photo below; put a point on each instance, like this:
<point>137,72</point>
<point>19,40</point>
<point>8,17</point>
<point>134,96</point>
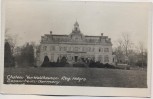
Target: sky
<point>31,19</point>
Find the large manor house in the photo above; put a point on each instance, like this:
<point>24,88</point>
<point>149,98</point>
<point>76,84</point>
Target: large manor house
<point>75,47</point>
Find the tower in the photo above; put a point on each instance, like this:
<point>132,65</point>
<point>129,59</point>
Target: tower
<point>76,26</point>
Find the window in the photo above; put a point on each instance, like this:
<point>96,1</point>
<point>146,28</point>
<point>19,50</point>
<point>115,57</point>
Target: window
<point>44,48</point>
<point>106,50</point>
<point>69,49</point>
<point>100,49</point>
<point>93,49</point>
<point>69,57</point>
<point>89,49</point>
<point>61,56</point>
<point>60,48</point>
<point>83,49</point>
<point>76,49</point>
<point>86,49</point>
<point>100,58</point>
<point>106,59</point>
<point>52,48</point>
<point>65,48</point>
<point>92,57</point>
<point>45,54</point>
<point>52,58</point>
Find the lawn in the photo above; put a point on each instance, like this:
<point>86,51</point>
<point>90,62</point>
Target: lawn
<point>75,76</point>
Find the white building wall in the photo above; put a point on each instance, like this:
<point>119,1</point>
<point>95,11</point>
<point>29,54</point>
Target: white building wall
<point>55,53</point>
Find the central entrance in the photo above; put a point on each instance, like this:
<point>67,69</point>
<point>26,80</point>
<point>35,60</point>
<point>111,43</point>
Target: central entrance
<point>76,58</point>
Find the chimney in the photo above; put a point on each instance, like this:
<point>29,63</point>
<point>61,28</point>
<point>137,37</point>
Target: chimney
<point>101,34</point>
<point>50,32</point>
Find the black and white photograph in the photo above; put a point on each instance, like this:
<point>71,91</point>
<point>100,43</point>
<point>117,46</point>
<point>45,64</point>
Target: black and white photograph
<point>87,44</point>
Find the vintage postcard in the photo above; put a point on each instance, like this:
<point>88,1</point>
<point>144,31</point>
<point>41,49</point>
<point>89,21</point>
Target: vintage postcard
<point>91,48</point>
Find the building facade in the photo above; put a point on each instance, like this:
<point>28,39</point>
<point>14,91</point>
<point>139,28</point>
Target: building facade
<point>75,47</point>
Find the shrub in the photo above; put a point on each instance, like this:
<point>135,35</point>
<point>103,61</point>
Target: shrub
<point>46,62</point>
<point>80,64</point>
<point>110,66</point>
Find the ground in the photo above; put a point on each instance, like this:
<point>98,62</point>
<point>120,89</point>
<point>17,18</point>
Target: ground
<point>75,76</point>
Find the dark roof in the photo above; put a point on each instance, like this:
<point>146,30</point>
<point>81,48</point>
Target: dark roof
<point>59,35</point>
<point>92,36</point>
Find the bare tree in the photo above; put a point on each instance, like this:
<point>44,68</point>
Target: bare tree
<point>142,51</point>
<point>127,43</point>
<point>123,49</point>
<point>119,50</point>
<point>127,52</point>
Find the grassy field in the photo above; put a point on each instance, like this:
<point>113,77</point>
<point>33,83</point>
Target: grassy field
<point>93,76</point>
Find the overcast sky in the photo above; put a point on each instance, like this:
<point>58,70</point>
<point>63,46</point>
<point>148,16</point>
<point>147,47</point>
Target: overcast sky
<point>30,19</point>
